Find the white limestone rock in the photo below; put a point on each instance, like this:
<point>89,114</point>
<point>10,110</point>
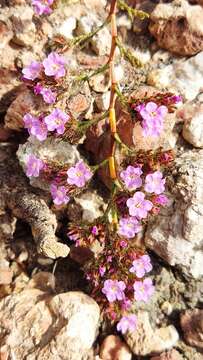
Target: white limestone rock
<point>177,233</point>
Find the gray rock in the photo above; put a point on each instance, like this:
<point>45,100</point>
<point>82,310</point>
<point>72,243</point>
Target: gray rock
<point>67,27</point>
<point>192,114</point>
<point>37,325</point>
<point>146,341</point>
<point>51,149</point>
<point>93,206</point>
<point>184,77</point>
<point>177,233</point>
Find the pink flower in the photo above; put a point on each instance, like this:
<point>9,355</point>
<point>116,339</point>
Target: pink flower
<point>42,6</point>
<point>39,130</point>
<point>56,121</point>
<point>127,323</point>
<point>35,126</point>
<point>94,230</point>
<point>102,270</point>
<point>29,120</point>
<point>138,206</point>
<point>59,194</point>
<point>54,65</point>
<point>143,290</point>
<point>154,183</point>
<point>48,95</point>
<point>131,177</point>
<point>114,290</point>
<point>153,116</point>
<point>32,71</point>
<point>161,200</point>
<point>33,166</point>
<point>128,227</point>
<point>79,174</point>
<point>141,266</point>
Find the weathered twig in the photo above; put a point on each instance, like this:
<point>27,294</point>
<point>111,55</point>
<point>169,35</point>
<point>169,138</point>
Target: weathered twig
<point>18,196</point>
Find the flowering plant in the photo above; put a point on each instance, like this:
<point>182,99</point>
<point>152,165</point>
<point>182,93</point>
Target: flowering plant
<point>119,273</point>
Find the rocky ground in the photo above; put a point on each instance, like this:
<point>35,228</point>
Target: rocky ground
<point>45,310</point>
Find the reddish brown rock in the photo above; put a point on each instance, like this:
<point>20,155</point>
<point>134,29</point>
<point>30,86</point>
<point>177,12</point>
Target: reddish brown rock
<point>91,62</point>
<point>25,102</point>
<point>169,355</point>
<point>113,348</point>
<point>192,326</point>
<point>178,27</point>
<point>78,104</point>
<point>5,134</point>
<point>8,87</point>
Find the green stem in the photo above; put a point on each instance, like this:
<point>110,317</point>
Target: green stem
<point>84,125</point>
<point>122,98</point>
<point>128,55</point>
<point>120,142</point>
<point>86,77</point>
<point>131,11</point>
<point>83,38</point>
<point>96,167</point>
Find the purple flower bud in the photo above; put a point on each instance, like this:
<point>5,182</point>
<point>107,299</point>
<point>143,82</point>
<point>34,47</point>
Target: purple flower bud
<point>102,270</point>
<point>94,230</point>
<point>161,200</point>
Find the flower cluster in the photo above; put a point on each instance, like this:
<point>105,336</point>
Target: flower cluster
<point>138,206</point>
<point>39,126</point>
<point>77,175</point>
<point>119,274</point>
<point>142,290</point>
<point>52,66</point>
<point>152,118</point>
<point>152,112</point>
<point>37,73</point>
<point>115,290</point>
